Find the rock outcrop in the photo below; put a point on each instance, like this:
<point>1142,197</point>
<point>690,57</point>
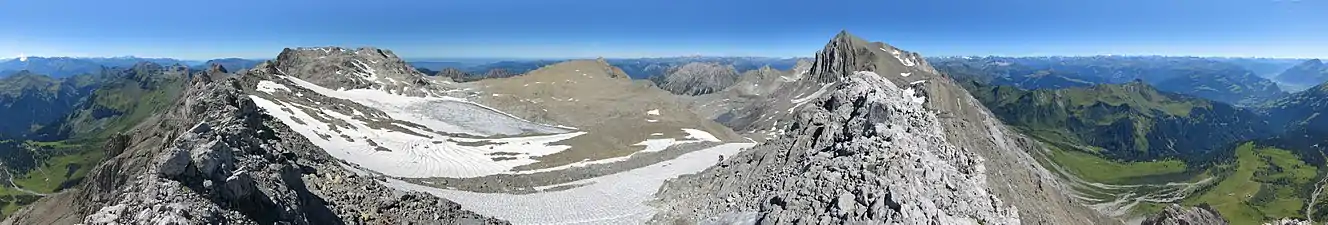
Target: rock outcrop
<point>818,123</point>
<point>1178,215</point>
<point>363,68</point>
<point>215,157</point>
<point>864,152</point>
<point>697,78</point>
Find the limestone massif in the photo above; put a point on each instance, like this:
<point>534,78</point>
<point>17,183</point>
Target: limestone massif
<point>865,132</point>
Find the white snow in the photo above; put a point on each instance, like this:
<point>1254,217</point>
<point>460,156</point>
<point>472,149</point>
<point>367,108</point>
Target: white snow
<point>270,87</point>
<point>907,61</point>
<point>651,121</point>
<point>912,94</point>
<point>614,199</point>
<point>905,74</point>
<point>917,82</point>
<point>442,114</point>
<point>798,102</point>
<point>653,112</point>
<point>409,155</point>
<point>700,135</point>
<point>814,95</point>
<point>655,145</point>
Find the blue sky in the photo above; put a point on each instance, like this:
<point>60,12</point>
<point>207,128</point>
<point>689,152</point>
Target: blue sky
<point>651,28</point>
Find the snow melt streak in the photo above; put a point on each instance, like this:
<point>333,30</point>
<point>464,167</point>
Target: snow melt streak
<point>613,199</point>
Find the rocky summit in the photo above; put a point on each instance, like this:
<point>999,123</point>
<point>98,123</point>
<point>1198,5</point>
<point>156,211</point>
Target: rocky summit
<point>871,133</point>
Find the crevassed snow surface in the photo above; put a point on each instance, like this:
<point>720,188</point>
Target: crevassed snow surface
<point>411,151</point>
<point>651,145</point>
<point>614,199</point>
<point>410,155</point>
<point>443,114</point>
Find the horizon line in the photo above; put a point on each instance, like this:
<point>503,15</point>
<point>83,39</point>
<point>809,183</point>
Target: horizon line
<point>517,58</point>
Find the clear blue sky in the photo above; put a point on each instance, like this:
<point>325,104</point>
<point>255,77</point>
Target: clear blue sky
<point>646,28</point>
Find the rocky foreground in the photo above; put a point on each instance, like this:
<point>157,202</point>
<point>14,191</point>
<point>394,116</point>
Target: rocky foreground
<point>216,158</point>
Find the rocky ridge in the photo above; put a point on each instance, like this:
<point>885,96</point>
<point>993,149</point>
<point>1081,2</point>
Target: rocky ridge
<point>215,157</point>
<point>1178,215</point>
<point>363,68</point>
<point>1013,176</point>
<point>865,152</point>
<point>697,78</point>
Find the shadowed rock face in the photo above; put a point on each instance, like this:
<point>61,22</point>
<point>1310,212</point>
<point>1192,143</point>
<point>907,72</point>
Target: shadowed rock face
<point>697,78</point>
<point>1177,215</point>
<point>215,157</point>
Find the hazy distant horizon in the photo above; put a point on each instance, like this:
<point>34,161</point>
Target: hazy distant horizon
<point>656,28</point>
<point>498,59</point>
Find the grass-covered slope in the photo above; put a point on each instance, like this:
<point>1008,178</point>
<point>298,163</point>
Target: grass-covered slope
<point>1261,183</point>
<point>70,146</point>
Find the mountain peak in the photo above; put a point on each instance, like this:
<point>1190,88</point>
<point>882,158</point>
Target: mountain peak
<point>846,54</point>
<point>1311,71</point>
<point>343,68</point>
<point>217,68</point>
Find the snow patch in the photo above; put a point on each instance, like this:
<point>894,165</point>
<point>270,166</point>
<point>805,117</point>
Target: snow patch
<point>653,112</point>
<point>700,135</point>
<point>907,61</point>
<point>614,199</point>
<point>271,87</point>
<point>400,154</point>
<point>913,95</point>
<point>443,114</point>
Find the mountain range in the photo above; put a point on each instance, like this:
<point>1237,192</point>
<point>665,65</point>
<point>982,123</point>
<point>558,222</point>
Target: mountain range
<point>1307,73</point>
<point>860,132</point>
<point>1202,77</point>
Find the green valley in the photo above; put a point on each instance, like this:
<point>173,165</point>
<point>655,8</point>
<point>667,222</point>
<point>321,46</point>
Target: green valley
<point>59,154</point>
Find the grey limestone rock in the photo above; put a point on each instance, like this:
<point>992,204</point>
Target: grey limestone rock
<point>252,169</point>
<point>1178,215</point>
<point>697,78</point>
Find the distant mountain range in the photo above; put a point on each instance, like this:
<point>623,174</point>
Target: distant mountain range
<point>1202,77</point>
<point>1307,73</point>
<point>60,67</point>
<point>638,68</point>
